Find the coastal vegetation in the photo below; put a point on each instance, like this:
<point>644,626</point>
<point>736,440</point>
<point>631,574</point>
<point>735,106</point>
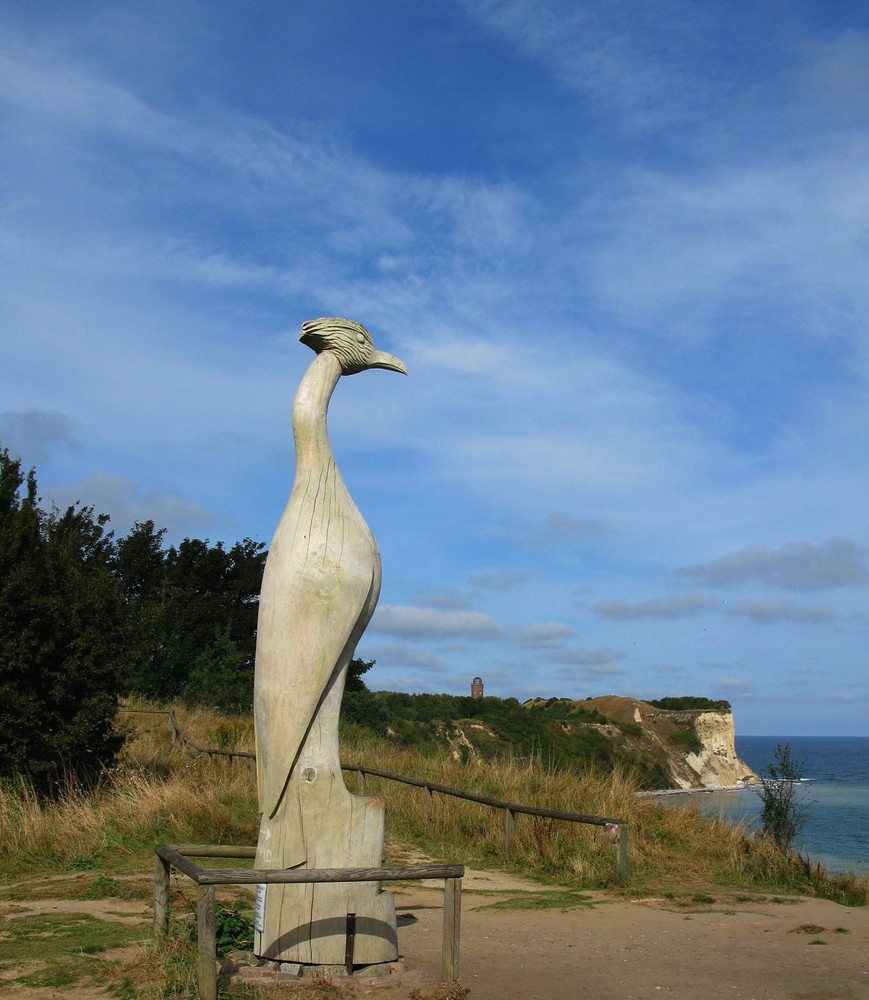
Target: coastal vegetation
<point>88,617</point>
<point>691,704</point>
<point>98,844</point>
<point>782,814</point>
<point>566,734</point>
<point>162,790</point>
<point>86,791</point>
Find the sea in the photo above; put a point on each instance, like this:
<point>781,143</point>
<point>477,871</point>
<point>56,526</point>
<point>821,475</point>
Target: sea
<point>834,792</point>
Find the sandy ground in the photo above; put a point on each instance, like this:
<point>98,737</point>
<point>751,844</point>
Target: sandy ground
<point>615,948</point>
<point>634,950</point>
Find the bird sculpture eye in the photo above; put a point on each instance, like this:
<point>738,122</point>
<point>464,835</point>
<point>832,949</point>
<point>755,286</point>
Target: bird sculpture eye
<point>360,339</point>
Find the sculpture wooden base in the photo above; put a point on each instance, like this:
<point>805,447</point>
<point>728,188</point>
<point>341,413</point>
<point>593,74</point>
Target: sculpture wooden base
<point>308,923</point>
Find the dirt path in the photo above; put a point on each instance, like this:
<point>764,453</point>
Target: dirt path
<point>730,949</point>
<point>727,946</point>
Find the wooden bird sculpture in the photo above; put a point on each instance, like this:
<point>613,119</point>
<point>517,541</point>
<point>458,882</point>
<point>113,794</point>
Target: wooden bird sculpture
<point>319,590</point>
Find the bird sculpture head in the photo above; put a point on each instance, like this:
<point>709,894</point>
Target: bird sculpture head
<point>350,342</point>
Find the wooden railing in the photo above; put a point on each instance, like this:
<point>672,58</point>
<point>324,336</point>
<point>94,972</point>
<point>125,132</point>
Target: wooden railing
<point>616,829</point>
<point>206,880</point>
<point>178,736</point>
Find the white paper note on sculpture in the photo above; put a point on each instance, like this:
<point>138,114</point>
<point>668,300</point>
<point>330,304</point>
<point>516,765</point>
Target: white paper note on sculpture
<point>319,590</point>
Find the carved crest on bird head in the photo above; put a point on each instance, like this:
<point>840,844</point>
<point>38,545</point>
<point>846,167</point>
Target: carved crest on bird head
<point>350,342</point>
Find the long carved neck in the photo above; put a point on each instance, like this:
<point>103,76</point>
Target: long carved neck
<point>309,413</point>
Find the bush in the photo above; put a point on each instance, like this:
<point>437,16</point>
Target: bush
<point>687,740</point>
<point>233,930</point>
<point>782,816</point>
<point>691,703</point>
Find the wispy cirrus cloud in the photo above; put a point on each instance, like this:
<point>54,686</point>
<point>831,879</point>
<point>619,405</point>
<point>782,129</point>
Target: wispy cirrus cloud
<point>637,69</point>
<point>624,355</point>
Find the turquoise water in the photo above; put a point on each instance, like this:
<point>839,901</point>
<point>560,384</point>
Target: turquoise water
<point>835,795</point>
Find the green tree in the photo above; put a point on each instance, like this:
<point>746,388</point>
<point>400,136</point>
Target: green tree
<point>139,565</point>
<point>355,671</point>
<point>192,611</point>
<point>221,677</point>
<point>782,814</point>
<point>61,634</point>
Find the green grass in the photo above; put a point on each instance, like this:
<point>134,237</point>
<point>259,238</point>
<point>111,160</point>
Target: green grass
<point>64,945</point>
<point>104,887</point>
<point>555,900</point>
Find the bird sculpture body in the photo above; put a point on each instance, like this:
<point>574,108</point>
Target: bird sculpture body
<point>319,590</point>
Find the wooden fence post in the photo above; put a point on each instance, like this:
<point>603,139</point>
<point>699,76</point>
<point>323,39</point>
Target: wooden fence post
<point>426,803</point>
<point>622,852</point>
<point>509,828</point>
<point>207,935</point>
<point>360,782</point>
<point>452,929</point>
<point>161,896</point>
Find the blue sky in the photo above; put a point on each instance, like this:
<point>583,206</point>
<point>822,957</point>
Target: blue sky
<point>622,248</point>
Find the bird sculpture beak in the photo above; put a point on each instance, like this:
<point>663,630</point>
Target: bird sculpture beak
<point>381,359</point>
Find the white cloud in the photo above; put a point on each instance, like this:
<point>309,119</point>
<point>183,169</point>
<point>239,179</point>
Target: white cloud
<point>619,56</point>
<point>126,503</point>
<point>545,634</point>
<point>500,579</point>
<point>450,600</point>
<point>37,435</point>
<point>394,655</point>
<point>677,606</point>
<point>431,623</point>
<point>735,685</point>
<point>800,566</point>
<point>598,658</point>
<point>624,356</point>
<point>765,612</point>
<point>565,529</point>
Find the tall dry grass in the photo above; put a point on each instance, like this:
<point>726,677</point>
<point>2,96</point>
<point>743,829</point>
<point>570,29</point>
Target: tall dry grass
<point>665,844</point>
<point>158,791</point>
<point>162,791</point>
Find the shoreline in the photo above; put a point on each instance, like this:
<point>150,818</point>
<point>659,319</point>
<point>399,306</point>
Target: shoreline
<point>738,787</point>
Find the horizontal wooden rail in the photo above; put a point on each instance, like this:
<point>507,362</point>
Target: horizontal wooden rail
<point>177,734</point>
<point>616,829</point>
<point>215,851</point>
<point>296,876</point>
<point>486,800</point>
<point>206,879</point>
